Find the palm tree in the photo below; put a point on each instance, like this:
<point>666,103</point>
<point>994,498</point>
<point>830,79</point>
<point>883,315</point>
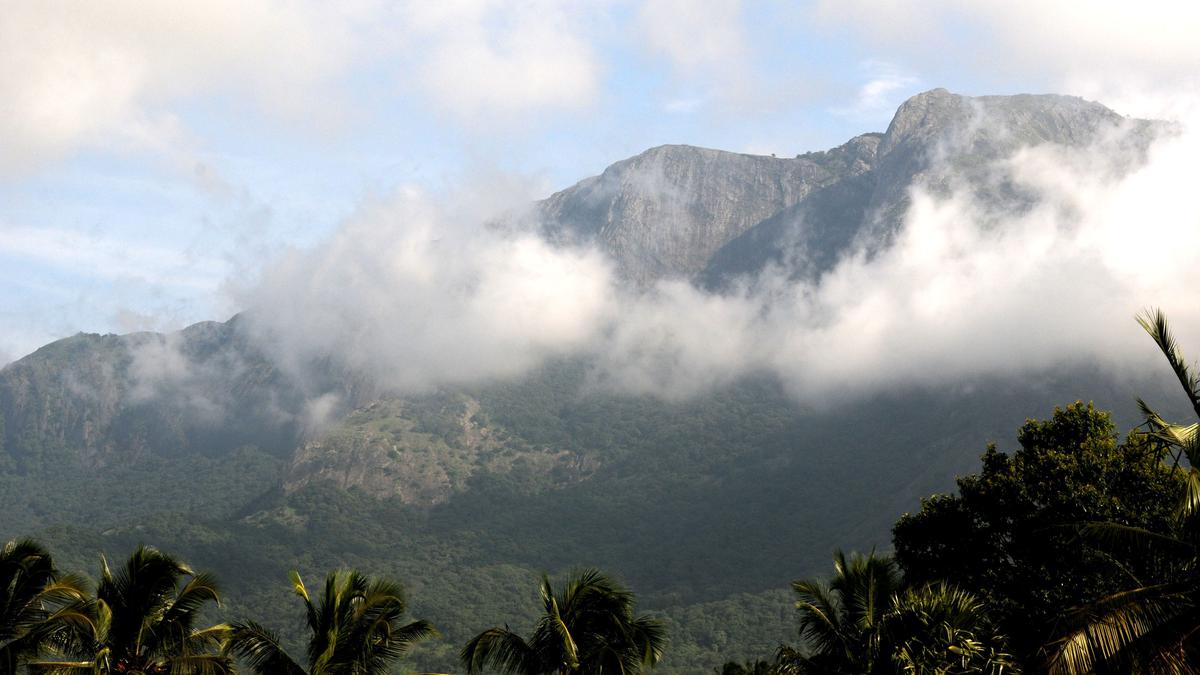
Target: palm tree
<point>1175,439</point>
<point>356,628</point>
<point>938,629</point>
<point>865,622</point>
<point>38,606</point>
<point>588,628</point>
<point>144,620</point>
<point>841,622</point>
<point>1154,626</point>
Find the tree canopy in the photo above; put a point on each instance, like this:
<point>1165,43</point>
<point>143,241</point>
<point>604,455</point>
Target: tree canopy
<point>39,607</point>
<point>144,618</point>
<point>1152,624</point>
<point>1011,534</point>
<point>588,627</point>
<point>866,621</point>
<point>356,627</point>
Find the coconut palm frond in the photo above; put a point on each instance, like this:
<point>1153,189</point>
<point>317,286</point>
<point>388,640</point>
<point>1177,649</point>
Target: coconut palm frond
<point>261,650</point>
<point>588,627</point>
<point>499,649</point>
<point>1154,321</point>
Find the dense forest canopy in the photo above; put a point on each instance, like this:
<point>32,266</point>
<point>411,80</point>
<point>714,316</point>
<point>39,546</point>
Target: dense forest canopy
<point>1030,559</point>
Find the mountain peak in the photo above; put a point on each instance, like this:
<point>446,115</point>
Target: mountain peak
<point>667,211</point>
<point>664,212</point>
<point>1022,118</point>
<point>926,109</point>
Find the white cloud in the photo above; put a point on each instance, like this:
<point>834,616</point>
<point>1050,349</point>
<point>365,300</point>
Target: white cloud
<point>676,341</point>
<point>886,88</point>
<point>695,36</point>
<point>409,294</point>
<point>117,75</point>
<point>107,74</point>
<point>1119,52</point>
<point>967,289</point>
<point>162,371</point>
<point>705,42</point>
<point>683,106</point>
<point>417,297</point>
<point>482,58</point>
<point>132,321</point>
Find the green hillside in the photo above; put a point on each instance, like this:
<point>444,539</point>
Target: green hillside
<point>706,508</point>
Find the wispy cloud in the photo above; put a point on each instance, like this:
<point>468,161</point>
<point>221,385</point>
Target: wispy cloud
<point>683,106</point>
<point>705,43</point>
<point>1106,50</point>
<point>483,59</point>
<point>695,36</point>
<point>95,256</point>
<point>966,289</point>
<point>414,293</point>
<point>75,75</point>
<point>117,76</point>
<point>886,87</point>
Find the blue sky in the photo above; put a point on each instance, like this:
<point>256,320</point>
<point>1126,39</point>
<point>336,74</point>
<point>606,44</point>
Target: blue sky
<point>155,156</point>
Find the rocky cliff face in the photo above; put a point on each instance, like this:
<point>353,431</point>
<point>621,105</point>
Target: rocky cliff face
<point>665,212</point>
<point>89,400</point>
<point>422,451</point>
<point>707,215</point>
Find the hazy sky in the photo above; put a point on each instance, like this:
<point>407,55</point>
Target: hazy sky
<point>154,156</point>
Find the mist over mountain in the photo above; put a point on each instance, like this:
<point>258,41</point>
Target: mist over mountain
<point>701,369</point>
<point>686,212</point>
<point>900,258</point>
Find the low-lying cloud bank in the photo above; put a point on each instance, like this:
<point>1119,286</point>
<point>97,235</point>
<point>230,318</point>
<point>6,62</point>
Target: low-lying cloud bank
<point>414,296</point>
<point>408,295</point>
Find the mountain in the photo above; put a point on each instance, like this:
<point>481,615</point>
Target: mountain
<point>666,212</point>
<point>200,442</point>
<point>708,215</point>
<point>91,400</point>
